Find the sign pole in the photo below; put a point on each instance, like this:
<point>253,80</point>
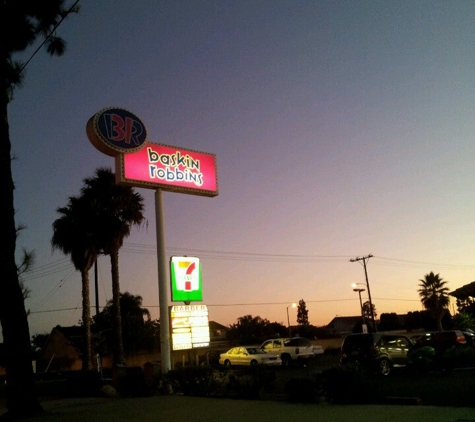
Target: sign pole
<point>162,283</point>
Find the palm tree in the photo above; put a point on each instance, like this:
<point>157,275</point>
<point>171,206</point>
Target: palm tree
<point>116,209</point>
<point>434,296</point>
<point>134,322</point>
<point>27,21</point>
<point>72,235</point>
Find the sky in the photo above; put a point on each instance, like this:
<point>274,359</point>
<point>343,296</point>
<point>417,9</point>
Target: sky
<point>341,129</point>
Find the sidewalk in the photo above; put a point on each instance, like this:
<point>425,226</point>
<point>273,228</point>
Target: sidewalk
<point>196,409</point>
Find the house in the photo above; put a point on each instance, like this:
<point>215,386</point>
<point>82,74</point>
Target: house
<point>62,350</point>
<point>343,325</point>
<point>217,332</point>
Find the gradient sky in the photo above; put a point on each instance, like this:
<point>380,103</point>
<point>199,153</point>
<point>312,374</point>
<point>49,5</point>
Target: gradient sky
<point>341,129</point>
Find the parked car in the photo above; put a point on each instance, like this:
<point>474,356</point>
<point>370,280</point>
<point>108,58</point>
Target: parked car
<point>441,339</point>
<point>290,349</point>
<point>439,350</point>
<point>381,352</point>
<point>469,337</point>
<point>317,349</point>
<point>248,355</point>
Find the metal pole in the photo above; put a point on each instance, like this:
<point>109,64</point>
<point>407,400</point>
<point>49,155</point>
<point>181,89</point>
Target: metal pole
<point>288,322</point>
<point>162,283</point>
<point>361,306</point>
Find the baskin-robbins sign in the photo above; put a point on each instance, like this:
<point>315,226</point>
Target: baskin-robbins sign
<point>115,131</point>
<point>121,134</point>
<point>185,277</point>
<point>169,168</point>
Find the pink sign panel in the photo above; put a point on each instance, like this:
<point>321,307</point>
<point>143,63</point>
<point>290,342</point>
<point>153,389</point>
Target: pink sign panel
<point>169,168</point>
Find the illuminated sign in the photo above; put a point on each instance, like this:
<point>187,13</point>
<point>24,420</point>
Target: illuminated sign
<point>189,326</point>
<point>168,168</point>
<point>185,277</point>
<point>115,131</point>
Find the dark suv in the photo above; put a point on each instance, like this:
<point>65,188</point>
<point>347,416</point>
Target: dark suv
<point>441,339</point>
<point>378,351</point>
<point>438,350</point>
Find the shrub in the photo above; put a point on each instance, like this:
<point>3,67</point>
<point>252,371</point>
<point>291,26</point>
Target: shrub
<point>301,390</point>
<point>248,383</point>
<point>207,381</point>
<point>350,383</point>
<point>461,357</point>
<point>332,351</point>
<point>192,381</point>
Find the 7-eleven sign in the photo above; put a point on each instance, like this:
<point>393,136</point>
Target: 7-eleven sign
<point>185,276</point>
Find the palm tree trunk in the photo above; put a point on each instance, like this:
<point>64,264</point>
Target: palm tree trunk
<point>86,320</point>
<point>21,395</point>
<point>118,344</point>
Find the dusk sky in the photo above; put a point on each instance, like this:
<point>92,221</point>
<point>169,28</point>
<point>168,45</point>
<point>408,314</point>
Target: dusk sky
<point>340,128</point>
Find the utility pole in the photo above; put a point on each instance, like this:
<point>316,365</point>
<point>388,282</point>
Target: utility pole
<point>96,285</point>
<point>364,259</point>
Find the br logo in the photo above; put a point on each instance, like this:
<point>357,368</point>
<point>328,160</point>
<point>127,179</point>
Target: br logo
<point>115,131</point>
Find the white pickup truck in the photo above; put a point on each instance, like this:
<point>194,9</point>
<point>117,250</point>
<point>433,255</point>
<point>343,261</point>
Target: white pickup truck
<point>290,349</point>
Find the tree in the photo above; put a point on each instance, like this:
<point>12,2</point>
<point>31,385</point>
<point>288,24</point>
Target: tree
<point>367,311</point>
<point>419,319</point>
<point>465,296</point>
<point>138,330</point>
<point>115,209</point>
<point>73,236</point>
<point>252,330</point>
<point>463,321</point>
<point>26,264</point>
<point>23,22</point>
<point>389,321</point>
<point>302,313</point>
<point>434,296</point>
<point>38,341</point>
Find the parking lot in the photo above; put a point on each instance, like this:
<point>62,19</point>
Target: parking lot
<point>433,388</point>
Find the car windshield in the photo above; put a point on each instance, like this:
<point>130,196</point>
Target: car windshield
<point>253,350</point>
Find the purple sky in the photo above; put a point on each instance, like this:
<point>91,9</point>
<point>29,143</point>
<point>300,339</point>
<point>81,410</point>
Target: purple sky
<point>341,129</point>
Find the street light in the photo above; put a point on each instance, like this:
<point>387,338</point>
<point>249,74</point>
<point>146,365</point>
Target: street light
<point>359,290</point>
<point>293,305</point>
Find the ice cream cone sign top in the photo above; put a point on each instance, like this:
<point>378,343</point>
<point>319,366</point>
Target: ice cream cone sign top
<point>185,274</point>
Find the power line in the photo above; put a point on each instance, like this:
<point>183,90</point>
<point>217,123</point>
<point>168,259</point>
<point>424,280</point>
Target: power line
<point>418,263</point>
<point>135,248</point>
<point>217,305</point>
<point>70,10</point>
<point>233,255</point>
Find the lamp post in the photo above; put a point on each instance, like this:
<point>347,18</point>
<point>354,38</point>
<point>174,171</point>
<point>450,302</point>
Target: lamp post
<point>359,290</point>
<point>293,305</point>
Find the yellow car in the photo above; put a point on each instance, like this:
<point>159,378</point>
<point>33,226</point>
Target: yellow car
<point>248,356</point>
